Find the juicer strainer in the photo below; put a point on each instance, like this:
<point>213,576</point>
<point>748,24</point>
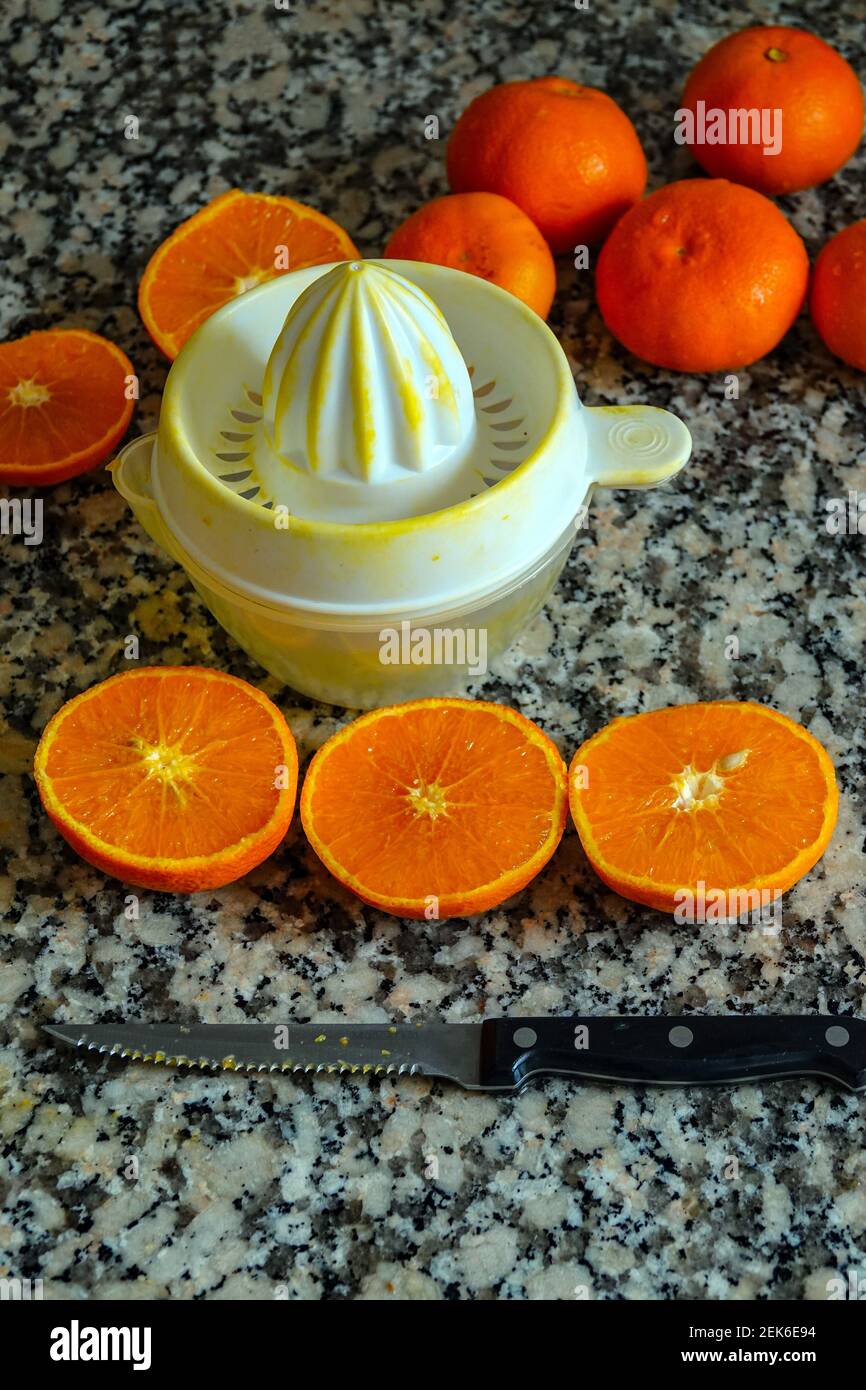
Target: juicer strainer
<point>517,468</point>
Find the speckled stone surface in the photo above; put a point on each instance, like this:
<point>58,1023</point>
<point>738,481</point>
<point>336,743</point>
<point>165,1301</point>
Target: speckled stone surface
<point>250,1189</point>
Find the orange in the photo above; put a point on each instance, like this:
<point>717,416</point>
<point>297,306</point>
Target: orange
<point>237,241</point>
<point>485,235</point>
<point>170,777</point>
<point>702,276</point>
<point>567,155</point>
<point>64,403</point>
<point>435,808</point>
<point>735,797</point>
<point>770,69</point>
<point>837,301</point>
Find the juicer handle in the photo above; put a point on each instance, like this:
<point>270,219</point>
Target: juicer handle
<point>634,445</point>
<point>130,472</point>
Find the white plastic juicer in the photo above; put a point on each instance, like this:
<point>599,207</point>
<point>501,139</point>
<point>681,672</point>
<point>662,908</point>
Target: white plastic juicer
<point>357,451</point>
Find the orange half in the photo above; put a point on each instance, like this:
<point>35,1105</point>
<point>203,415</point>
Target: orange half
<point>177,777</point>
<point>66,399</point>
<point>237,241</point>
<point>732,796</point>
<point>436,808</point>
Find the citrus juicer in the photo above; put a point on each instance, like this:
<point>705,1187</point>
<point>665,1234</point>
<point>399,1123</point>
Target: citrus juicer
<point>371,447</point>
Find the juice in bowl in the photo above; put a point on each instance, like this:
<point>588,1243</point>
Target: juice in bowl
<point>365,466</point>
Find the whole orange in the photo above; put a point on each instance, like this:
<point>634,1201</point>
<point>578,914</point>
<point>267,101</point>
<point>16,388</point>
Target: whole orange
<point>776,69</point>
<point>567,155</point>
<point>484,235</point>
<point>837,301</point>
<point>702,276</point>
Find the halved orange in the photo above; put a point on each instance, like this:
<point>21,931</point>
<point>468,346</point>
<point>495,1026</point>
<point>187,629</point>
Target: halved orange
<point>732,796</point>
<point>436,808</point>
<point>237,241</point>
<point>66,399</point>
<point>170,777</point>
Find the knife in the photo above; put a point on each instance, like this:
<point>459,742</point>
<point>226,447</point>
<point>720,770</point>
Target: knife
<point>502,1054</point>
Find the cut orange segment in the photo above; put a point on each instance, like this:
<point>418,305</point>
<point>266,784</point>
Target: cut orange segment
<point>436,808</point>
<point>718,798</point>
<point>237,241</point>
<point>176,777</point>
<point>66,399</point>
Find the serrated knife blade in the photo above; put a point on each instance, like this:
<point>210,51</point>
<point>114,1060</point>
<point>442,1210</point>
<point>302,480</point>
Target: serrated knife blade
<point>450,1050</point>
<point>501,1054</point>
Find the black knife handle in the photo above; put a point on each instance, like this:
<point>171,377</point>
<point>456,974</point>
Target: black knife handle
<point>686,1050</point>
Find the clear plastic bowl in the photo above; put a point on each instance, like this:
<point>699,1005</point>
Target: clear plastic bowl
<point>347,660</point>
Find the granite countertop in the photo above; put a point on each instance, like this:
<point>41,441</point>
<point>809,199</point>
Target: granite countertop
<point>136,1182</point>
